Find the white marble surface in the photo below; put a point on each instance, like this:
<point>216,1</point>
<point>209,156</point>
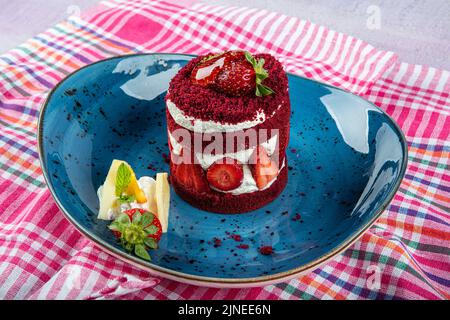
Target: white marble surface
<point>418,30</point>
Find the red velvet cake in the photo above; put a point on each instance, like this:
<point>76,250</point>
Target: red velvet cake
<point>228,128</point>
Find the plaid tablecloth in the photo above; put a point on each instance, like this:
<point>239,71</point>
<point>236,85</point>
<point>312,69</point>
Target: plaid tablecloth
<point>43,257</point>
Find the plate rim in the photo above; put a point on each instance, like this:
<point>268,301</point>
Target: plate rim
<point>204,280</point>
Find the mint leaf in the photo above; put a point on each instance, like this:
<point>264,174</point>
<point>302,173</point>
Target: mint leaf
<point>126,199</point>
<point>151,243</point>
<point>151,229</point>
<point>146,219</point>
<point>123,179</point>
<point>140,251</point>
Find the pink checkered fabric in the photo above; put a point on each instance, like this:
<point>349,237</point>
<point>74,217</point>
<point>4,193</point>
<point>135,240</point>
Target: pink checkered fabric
<point>43,257</point>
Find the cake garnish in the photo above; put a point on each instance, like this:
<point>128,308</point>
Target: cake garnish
<point>137,230</point>
<point>206,71</point>
<point>235,73</point>
<point>139,208</point>
<point>225,175</point>
<point>162,199</point>
<point>120,187</point>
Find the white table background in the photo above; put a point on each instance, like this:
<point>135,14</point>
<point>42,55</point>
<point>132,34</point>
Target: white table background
<point>417,30</point>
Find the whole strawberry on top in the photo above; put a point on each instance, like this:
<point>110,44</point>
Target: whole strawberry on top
<point>235,73</point>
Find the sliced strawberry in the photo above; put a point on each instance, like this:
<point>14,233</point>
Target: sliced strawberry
<point>191,176</point>
<point>225,174</point>
<point>265,169</point>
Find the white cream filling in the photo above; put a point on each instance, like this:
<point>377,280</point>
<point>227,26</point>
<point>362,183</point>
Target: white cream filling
<point>248,182</point>
<point>242,156</point>
<point>176,146</point>
<point>208,126</point>
<point>144,183</point>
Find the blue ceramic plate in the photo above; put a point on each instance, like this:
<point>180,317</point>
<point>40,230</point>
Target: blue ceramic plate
<point>346,160</point>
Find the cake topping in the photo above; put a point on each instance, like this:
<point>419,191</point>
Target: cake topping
<point>206,103</point>
<point>206,71</point>
<point>235,73</point>
<point>226,174</point>
<point>139,208</point>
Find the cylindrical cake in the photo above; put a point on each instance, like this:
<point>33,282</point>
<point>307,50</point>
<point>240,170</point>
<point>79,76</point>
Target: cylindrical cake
<point>228,129</point>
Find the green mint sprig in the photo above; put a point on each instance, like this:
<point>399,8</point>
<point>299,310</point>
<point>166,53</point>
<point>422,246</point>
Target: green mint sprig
<point>134,233</point>
<point>123,179</point>
<point>126,199</point>
<point>261,74</point>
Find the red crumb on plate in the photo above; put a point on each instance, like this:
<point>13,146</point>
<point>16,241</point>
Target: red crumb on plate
<point>266,250</point>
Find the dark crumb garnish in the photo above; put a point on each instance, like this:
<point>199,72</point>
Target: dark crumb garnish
<point>266,250</point>
<point>236,237</point>
<point>217,242</point>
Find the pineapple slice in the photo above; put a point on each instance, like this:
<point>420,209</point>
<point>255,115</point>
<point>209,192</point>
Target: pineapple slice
<point>162,196</point>
<point>152,199</point>
<point>108,196</point>
<point>133,187</point>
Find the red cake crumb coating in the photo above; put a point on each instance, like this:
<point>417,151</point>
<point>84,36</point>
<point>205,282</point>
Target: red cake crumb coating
<point>207,104</point>
<point>221,108</point>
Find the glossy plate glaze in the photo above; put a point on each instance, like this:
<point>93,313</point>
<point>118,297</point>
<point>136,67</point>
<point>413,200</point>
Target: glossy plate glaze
<point>346,159</point>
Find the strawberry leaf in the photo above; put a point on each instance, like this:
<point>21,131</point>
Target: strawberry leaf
<point>123,219</point>
<point>262,90</point>
<point>146,219</point>
<point>136,217</point>
<point>260,73</point>
<point>250,59</point>
<point>126,245</point>
<point>115,226</point>
<point>140,251</point>
<point>151,229</point>
<point>151,243</point>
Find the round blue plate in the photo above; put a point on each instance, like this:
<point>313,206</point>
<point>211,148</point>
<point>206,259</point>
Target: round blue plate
<point>346,160</point>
